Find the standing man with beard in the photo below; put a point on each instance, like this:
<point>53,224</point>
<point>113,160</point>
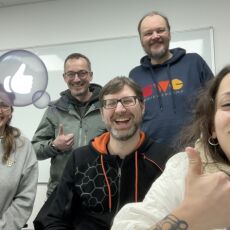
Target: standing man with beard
<point>116,167</point>
<point>169,78</point>
<point>72,120</point>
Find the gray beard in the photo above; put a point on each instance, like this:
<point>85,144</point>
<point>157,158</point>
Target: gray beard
<point>157,56</point>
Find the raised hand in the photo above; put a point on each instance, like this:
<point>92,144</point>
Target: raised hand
<point>63,142</point>
<point>207,197</point>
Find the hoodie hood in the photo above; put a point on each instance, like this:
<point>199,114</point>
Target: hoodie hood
<point>94,88</point>
<point>66,99</point>
<point>100,143</point>
<point>177,54</point>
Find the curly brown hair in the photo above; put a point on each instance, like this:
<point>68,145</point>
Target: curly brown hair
<point>202,124</point>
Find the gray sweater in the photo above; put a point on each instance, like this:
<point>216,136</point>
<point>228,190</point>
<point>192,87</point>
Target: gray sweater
<point>18,184</point>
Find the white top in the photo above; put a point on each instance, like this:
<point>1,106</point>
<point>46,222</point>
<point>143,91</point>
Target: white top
<point>164,196</point>
<point>18,183</point>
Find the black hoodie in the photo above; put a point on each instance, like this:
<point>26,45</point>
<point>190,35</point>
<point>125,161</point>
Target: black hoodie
<point>95,184</point>
<point>170,90</point>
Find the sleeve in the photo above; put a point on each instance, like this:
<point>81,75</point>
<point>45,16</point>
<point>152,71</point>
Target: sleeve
<point>206,73</point>
<point>59,215</point>
<point>16,216</point>
<point>165,194</point>
<point>45,134</point>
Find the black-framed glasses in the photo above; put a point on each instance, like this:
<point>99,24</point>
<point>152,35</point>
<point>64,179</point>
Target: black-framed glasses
<point>125,101</point>
<point>81,74</point>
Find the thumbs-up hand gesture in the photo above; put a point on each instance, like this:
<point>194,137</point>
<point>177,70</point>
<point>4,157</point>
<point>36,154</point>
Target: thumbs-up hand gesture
<point>63,142</point>
<point>206,203</point>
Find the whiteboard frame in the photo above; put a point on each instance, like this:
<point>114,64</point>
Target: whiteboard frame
<point>108,58</point>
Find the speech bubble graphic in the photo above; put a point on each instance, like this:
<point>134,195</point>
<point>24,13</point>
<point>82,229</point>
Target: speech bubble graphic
<point>24,74</point>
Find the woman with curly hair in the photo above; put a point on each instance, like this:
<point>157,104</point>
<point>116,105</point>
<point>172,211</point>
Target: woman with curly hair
<point>193,192</point>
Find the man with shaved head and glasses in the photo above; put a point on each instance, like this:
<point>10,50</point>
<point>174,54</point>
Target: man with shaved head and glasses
<point>72,120</point>
<point>115,168</point>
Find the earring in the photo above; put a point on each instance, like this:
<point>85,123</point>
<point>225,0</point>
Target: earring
<point>211,141</point>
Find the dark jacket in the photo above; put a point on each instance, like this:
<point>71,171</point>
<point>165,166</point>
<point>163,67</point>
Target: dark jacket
<point>95,184</point>
<point>170,90</point>
<point>83,120</point>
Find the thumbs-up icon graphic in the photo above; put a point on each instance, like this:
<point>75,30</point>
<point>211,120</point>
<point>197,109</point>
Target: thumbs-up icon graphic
<point>19,82</point>
<point>24,74</point>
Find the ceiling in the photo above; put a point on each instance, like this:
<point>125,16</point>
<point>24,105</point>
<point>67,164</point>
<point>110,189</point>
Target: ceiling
<point>8,3</point>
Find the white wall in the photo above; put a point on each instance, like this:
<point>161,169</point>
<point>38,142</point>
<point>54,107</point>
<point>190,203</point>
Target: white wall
<point>64,21</point>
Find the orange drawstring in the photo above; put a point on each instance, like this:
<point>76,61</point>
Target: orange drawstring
<point>136,177</point>
<point>152,162</point>
<point>107,183</point>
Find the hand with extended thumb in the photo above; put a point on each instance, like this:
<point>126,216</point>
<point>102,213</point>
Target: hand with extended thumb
<point>206,204</point>
<point>63,142</point>
<point>195,164</point>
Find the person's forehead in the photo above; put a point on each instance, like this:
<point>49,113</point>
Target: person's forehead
<point>79,59</point>
<point>76,62</point>
<point>4,103</point>
<point>153,21</point>
<point>224,87</point>
<point>4,99</point>
<point>124,92</point>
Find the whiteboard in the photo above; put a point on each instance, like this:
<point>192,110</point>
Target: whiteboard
<point>109,58</point>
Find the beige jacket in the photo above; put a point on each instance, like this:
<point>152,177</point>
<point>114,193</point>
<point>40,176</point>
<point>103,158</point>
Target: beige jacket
<point>164,196</point>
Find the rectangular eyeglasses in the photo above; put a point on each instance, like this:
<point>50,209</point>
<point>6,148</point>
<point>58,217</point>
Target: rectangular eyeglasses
<point>81,74</point>
<point>125,101</point>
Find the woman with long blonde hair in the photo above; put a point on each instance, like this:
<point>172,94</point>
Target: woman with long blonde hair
<point>18,170</point>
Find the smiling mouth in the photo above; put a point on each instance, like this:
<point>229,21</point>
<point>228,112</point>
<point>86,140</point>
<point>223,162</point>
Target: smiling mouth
<point>122,122</point>
<point>156,44</point>
<point>78,85</point>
